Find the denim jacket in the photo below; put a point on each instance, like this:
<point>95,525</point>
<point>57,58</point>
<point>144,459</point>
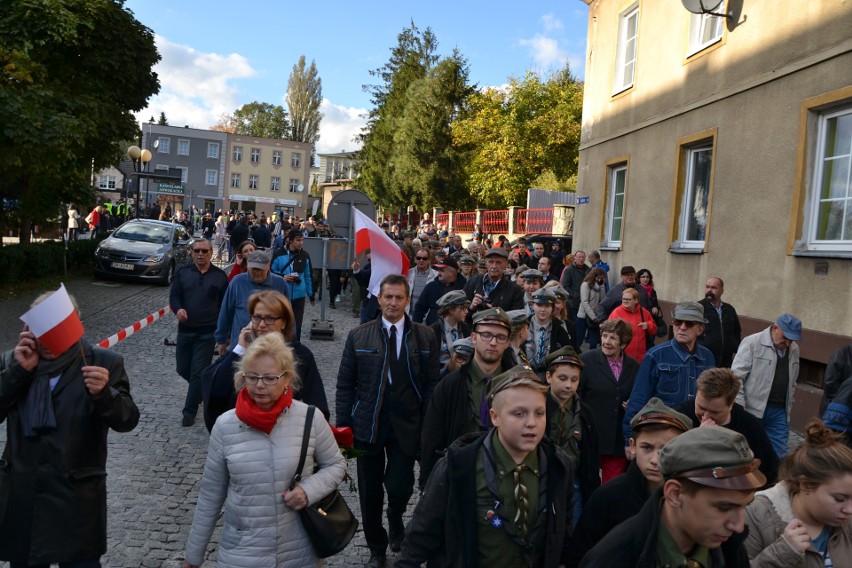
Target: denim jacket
<point>668,372</point>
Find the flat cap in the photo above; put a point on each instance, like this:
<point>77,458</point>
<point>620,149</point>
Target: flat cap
<point>543,296</point>
<point>689,311</point>
<point>563,356</point>
<point>454,298</point>
<point>497,251</point>
<point>656,412</point>
<point>494,316</point>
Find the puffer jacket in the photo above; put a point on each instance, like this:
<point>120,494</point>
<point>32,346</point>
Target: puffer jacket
<point>248,471</point>
<point>767,517</point>
<point>364,365</point>
<point>755,365</point>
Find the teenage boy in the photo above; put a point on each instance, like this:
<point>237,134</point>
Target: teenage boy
<point>546,335</point>
<point>622,497</point>
<point>697,518</point>
<point>570,424</point>
<point>518,337</point>
<point>499,498</point>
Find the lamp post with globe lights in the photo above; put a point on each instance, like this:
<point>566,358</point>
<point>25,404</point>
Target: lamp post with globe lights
<point>140,159</point>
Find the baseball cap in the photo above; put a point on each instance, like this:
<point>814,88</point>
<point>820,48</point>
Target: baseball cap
<point>790,326</point>
<point>449,261</point>
<point>258,259</point>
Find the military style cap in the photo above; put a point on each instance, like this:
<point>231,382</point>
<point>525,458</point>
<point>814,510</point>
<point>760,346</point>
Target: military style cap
<point>689,311</point>
<point>518,317</point>
<point>466,259</point>
<point>543,296</point>
<point>258,259</point>
<point>494,316</point>
<point>532,274</point>
<point>481,263</point>
<point>656,412</point>
<point>521,269</point>
<point>790,326</point>
<point>564,356</point>
<point>463,346</point>
<point>454,298</point>
<point>497,251</point>
<point>714,456</point>
<point>509,379</point>
<point>560,292</point>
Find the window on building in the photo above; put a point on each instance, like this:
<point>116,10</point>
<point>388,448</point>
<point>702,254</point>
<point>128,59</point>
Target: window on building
<point>705,29</point>
<point>163,147</point>
<point>253,181</point>
<point>106,182</point>
<point>694,192</point>
<point>212,177</point>
<point>184,173</point>
<point>296,160</point>
<point>275,184</point>
<point>183,147</point>
<point>237,153</point>
<point>235,180</point>
<point>255,155</point>
<point>616,188</point>
<point>276,158</point>
<point>213,150</point>
<point>294,185</point>
<point>625,60</point>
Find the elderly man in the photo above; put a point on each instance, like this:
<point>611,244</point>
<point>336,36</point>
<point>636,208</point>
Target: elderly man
<point>420,274</point>
<point>768,365</point>
<point>195,298</point>
<point>613,298</point>
<point>233,315</point>
<point>493,289</point>
<point>571,280</point>
<point>669,370</point>
<point>722,333</point>
<point>449,279</point>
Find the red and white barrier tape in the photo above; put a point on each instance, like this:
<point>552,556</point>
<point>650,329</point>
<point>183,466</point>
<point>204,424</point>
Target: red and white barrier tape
<point>128,331</point>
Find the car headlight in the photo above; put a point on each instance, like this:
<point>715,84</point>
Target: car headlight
<point>102,252</point>
<point>153,258</point>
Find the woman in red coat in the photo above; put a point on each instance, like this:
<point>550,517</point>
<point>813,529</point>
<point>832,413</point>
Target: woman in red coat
<point>639,319</point>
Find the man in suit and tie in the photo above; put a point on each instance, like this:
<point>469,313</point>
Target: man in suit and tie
<point>387,373</point>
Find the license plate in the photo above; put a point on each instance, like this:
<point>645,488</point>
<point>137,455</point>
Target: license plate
<point>121,266</point>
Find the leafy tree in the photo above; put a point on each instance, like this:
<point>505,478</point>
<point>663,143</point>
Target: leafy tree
<point>263,120</point>
<point>226,123</point>
<point>304,95</point>
<point>71,75</point>
<point>163,120</point>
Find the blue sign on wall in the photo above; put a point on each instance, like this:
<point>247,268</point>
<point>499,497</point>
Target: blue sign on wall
<point>582,200</point>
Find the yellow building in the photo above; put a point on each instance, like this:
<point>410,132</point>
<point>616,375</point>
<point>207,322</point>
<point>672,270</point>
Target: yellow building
<point>265,175</point>
<point>718,145</point>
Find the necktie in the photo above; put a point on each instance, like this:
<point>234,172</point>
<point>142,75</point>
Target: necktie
<point>522,503</point>
<point>542,347</point>
<point>483,405</point>
<point>392,344</point>
<point>454,334</point>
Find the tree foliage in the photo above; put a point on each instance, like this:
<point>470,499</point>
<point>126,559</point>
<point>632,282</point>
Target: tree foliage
<point>163,121</point>
<point>263,120</point>
<point>304,96</point>
<point>72,72</point>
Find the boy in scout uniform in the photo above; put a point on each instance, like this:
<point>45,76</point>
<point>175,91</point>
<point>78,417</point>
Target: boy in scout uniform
<point>697,518</point>
<point>570,424</point>
<point>623,496</point>
<point>499,498</point>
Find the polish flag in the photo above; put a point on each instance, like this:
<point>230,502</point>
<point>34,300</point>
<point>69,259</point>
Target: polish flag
<point>385,255</point>
<point>55,322</point>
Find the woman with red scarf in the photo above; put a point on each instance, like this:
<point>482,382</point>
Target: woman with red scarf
<point>252,459</point>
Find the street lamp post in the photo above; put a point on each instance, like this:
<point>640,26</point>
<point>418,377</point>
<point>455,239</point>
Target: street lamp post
<point>140,159</point>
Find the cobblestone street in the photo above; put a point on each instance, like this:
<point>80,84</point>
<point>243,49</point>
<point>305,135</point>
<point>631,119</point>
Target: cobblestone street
<point>154,471</point>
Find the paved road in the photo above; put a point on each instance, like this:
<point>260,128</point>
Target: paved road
<point>155,470</point>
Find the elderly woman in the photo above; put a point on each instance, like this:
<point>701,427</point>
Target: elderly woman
<point>252,459</point>
<point>605,386</point>
<point>637,316</point>
<point>270,312</point>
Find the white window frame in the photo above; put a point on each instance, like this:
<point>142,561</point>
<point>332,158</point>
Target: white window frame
<point>165,145</point>
<point>107,182</point>
<point>698,24</point>
<point>688,198</point>
<point>211,177</point>
<point>255,155</point>
<point>254,181</point>
<point>613,173</point>
<point>624,45</point>
<point>184,173</point>
<point>183,143</point>
<point>276,157</point>
<point>236,179</point>
<point>213,150</point>
<point>815,199</point>
<point>237,153</point>
<point>161,168</point>
<point>294,185</point>
<point>275,183</point>
<point>296,160</point>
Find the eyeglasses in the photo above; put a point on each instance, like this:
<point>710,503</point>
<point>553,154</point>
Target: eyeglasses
<point>627,300</point>
<point>202,251</point>
<point>688,324</point>
<point>487,336</point>
<point>268,320</point>
<point>252,379</point>
<point>421,257</point>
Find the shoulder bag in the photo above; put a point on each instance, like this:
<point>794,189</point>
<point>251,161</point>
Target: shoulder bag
<point>329,522</point>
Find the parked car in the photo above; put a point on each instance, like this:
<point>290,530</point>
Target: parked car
<point>547,239</point>
<point>144,249</point>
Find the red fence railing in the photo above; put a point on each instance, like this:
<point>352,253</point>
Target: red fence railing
<point>534,221</point>
<point>464,222</point>
<point>443,219</point>
<point>496,221</point>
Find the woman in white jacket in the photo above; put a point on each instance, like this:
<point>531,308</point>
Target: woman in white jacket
<point>252,458</point>
<point>591,294</point>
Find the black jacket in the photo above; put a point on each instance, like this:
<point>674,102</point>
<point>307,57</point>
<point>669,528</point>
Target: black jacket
<point>571,279</point>
<point>506,295</point>
<point>443,530</point>
<point>239,233</point>
<point>752,428</point>
<point>610,505</point>
<point>838,370</point>
<point>588,471</point>
<point>200,295</point>
<point>57,508</point>
<point>633,543</point>
<point>603,394</point>
<point>427,303</point>
<point>722,337</point>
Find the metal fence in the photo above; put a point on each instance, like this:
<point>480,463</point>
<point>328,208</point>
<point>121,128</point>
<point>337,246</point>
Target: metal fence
<point>534,221</point>
<point>496,221</point>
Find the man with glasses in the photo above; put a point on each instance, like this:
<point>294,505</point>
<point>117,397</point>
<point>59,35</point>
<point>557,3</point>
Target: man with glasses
<point>196,295</point>
<point>670,370</point>
<point>768,365</point>
<point>493,289</point>
<point>420,274</point>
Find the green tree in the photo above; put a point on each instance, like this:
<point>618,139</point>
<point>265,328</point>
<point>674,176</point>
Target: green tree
<point>263,120</point>
<point>72,72</point>
<point>163,120</point>
<point>304,96</point>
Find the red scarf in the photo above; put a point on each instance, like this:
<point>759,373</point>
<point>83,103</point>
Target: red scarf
<point>648,290</point>
<point>256,417</point>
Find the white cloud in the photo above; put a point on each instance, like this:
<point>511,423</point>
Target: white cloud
<point>550,22</point>
<point>196,88</point>
<point>545,51</point>
<point>340,125</point>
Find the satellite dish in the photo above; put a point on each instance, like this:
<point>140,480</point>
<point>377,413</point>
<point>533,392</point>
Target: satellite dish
<point>300,188</point>
<point>156,143</point>
<point>702,6</point>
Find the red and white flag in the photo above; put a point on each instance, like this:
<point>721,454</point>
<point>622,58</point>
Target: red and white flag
<point>386,256</point>
<point>55,322</point>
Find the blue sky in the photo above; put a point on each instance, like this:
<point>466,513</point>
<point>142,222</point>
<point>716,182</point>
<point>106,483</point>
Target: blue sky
<point>217,58</point>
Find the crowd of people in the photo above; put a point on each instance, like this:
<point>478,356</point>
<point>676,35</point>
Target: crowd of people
<point>558,418</point>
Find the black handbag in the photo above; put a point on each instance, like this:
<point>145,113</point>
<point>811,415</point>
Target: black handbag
<point>329,522</point>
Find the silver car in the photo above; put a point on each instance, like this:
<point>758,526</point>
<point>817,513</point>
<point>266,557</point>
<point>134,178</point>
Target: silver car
<point>144,249</point>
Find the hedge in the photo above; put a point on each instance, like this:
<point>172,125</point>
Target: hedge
<point>22,262</point>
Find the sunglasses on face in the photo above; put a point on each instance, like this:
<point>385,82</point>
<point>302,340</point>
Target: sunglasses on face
<point>688,324</point>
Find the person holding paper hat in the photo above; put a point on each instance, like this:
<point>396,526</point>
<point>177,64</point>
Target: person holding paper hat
<point>697,518</point>
<point>59,401</point>
<point>767,363</point>
<point>460,353</point>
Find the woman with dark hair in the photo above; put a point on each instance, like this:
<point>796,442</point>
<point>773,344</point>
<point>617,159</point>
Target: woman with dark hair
<point>591,293</point>
<point>805,520</point>
<point>270,312</point>
<point>241,258</point>
<point>646,280</point>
